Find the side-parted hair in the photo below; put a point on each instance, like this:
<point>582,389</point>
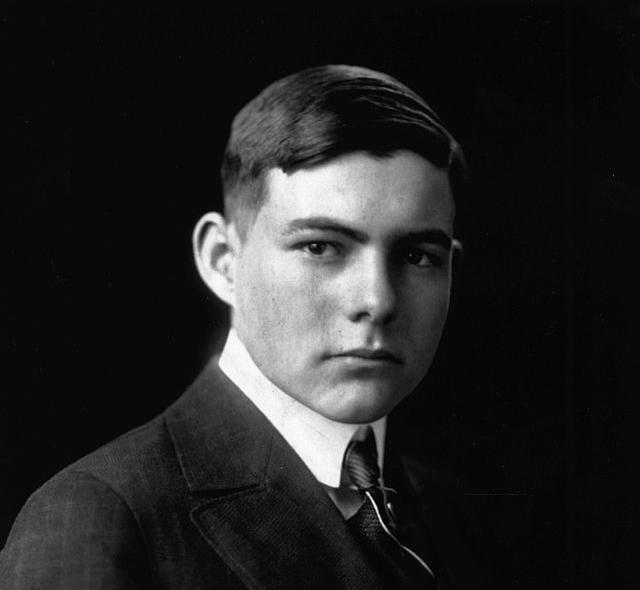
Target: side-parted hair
<point>320,113</point>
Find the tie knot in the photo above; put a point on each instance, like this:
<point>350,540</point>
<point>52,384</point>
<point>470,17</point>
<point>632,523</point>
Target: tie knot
<point>361,462</point>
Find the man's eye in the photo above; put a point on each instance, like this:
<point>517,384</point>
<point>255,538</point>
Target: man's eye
<point>418,257</point>
<point>320,248</point>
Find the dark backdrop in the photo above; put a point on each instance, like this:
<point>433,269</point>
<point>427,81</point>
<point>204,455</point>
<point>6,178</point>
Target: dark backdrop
<point>115,122</point>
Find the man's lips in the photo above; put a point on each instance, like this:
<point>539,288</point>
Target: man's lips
<point>370,354</point>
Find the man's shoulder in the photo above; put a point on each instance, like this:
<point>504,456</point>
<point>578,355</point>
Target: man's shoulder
<point>428,479</point>
<point>101,507</point>
<point>127,462</point>
<point>146,465</point>
<point>435,486</point>
<point>123,504</point>
<point>127,471</point>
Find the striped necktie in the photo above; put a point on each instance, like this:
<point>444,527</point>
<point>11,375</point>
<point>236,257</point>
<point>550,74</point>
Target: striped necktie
<point>375,522</point>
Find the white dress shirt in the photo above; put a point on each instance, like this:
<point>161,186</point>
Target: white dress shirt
<point>319,441</point>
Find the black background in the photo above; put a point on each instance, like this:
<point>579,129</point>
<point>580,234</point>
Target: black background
<point>116,118</point>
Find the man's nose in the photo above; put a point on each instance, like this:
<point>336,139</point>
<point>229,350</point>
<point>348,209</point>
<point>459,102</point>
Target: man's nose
<point>373,296</point>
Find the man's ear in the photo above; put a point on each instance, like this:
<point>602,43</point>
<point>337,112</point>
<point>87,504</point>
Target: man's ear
<point>456,261</point>
<point>214,248</point>
<point>458,250</point>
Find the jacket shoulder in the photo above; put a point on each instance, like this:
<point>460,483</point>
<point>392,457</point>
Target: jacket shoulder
<point>140,459</point>
<point>74,514</point>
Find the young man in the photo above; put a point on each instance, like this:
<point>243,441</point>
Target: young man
<point>273,469</point>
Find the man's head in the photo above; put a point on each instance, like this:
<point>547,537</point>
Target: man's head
<point>335,254</point>
<point>315,115</point>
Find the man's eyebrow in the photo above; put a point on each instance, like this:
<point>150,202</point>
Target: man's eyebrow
<point>429,235</point>
<point>324,224</point>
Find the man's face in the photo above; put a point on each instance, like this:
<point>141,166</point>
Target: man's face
<point>342,282</point>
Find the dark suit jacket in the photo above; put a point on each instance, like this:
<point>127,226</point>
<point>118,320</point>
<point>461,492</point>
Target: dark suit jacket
<point>207,495</point>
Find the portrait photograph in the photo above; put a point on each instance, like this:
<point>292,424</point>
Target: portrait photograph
<point>319,295</point>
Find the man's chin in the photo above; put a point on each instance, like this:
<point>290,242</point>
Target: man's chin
<point>358,408</point>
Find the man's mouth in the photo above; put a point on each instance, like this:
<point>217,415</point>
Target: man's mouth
<point>370,354</point>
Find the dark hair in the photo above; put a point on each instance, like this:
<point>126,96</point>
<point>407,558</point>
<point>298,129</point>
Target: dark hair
<point>320,113</point>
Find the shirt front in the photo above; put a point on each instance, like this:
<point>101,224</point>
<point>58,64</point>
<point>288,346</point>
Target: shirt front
<point>320,442</point>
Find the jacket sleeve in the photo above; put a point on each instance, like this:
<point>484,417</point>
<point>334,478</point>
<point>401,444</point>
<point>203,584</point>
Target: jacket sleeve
<point>74,532</point>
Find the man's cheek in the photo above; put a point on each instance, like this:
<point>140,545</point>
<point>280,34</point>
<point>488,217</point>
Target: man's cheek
<point>280,304</point>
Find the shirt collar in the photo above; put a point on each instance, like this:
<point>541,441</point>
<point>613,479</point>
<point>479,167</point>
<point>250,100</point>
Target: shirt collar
<point>319,441</point>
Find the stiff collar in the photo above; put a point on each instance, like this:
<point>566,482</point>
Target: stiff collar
<point>319,441</point>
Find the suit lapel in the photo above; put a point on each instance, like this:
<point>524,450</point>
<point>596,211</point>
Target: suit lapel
<point>254,500</point>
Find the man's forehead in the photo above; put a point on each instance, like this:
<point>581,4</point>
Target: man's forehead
<point>348,165</point>
<point>358,186</point>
